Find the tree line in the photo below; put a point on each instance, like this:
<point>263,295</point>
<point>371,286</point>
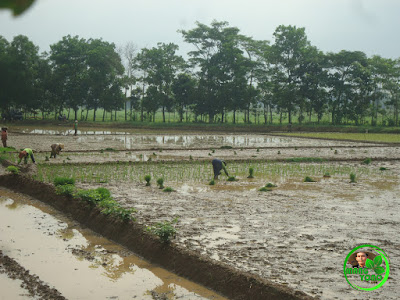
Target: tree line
<point>225,73</point>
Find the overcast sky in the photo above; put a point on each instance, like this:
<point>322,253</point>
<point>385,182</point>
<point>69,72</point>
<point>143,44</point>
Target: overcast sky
<point>371,26</point>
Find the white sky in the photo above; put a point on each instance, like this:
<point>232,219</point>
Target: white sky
<point>370,26</point>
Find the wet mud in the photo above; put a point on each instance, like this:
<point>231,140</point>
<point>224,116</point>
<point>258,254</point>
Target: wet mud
<point>296,235</point>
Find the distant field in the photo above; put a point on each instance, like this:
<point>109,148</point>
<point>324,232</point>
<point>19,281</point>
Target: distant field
<point>370,137</point>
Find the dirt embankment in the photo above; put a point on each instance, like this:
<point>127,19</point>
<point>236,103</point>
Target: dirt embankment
<point>224,279</point>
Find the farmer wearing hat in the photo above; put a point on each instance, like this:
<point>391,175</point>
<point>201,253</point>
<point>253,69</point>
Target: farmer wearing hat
<point>24,155</point>
<point>56,149</point>
<point>218,165</point>
<point>4,136</point>
<point>76,127</point>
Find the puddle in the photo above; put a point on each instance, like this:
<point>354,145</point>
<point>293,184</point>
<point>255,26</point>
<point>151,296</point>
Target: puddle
<point>77,262</point>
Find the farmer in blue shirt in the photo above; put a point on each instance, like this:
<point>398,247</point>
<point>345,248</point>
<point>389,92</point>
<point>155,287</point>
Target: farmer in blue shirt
<point>218,165</point>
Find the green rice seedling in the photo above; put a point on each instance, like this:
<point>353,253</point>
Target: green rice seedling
<point>265,189</point>
<point>168,189</point>
<point>367,161</point>
<point>13,170</point>
<point>63,181</point>
<point>308,179</point>
<point>166,230</point>
<point>160,182</point>
<point>270,185</point>
<point>353,177</point>
<point>251,173</point>
<point>212,182</point>
<point>147,178</point>
<point>231,178</point>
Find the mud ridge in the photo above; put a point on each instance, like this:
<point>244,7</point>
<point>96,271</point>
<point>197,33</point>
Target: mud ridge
<point>30,282</point>
<point>226,280</point>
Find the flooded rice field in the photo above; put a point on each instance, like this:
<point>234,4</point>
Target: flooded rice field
<point>296,234</point>
<point>77,262</point>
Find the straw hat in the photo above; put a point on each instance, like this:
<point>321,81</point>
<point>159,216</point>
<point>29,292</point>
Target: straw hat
<point>22,154</point>
<point>352,259</point>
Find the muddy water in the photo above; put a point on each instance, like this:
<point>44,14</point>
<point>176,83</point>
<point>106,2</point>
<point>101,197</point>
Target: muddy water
<point>77,262</point>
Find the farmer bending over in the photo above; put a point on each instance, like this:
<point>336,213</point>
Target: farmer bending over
<point>4,136</point>
<point>219,165</point>
<point>56,149</point>
<point>24,155</point>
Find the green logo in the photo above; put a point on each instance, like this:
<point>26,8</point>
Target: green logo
<point>364,262</point>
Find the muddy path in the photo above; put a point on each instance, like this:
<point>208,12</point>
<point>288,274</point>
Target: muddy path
<point>296,235</point>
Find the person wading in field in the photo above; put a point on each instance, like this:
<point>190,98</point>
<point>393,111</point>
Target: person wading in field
<point>76,127</point>
<point>4,136</point>
<point>24,155</point>
<point>218,165</point>
<point>56,149</point>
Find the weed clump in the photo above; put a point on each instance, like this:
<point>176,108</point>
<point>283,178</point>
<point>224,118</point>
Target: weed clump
<point>147,178</point>
<point>63,181</point>
<point>66,190</point>
<point>270,185</point>
<point>367,161</point>
<point>13,170</point>
<point>353,178</point>
<point>308,179</point>
<point>160,182</point>
<point>164,230</point>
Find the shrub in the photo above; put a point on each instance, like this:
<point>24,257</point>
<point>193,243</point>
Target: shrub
<point>104,193</point>
<point>251,173</point>
<point>160,182</point>
<point>147,178</point>
<point>164,230</point>
<point>308,179</point>
<point>65,189</point>
<point>352,177</point>
<point>13,169</point>
<point>168,189</point>
<point>63,181</point>
<point>91,196</point>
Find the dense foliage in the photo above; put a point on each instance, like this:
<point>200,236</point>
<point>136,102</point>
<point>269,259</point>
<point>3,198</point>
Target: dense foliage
<point>226,73</point>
